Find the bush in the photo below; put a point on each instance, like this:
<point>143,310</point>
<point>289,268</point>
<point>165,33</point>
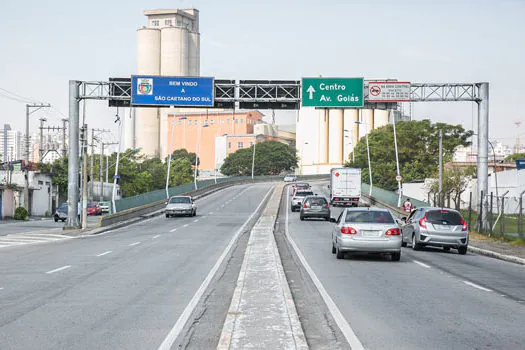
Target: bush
<point>21,213</point>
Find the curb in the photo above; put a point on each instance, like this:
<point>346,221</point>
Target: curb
<point>495,255</point>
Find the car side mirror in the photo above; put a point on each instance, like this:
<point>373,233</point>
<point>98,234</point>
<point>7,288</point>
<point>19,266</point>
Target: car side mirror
<point>333,220</point>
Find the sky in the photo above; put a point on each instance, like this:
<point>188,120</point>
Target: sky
<point>44,44</point>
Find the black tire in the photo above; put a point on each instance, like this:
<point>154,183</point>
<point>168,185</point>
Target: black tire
<point>403,244</point>
<point>56,219</point>
<point>301,218</point>
<point>327,218</point>
<point>447,249</point>
<point>63,220</point>
<point>333,248</point>
<point>339,254</point>
<point>195,213</point>
<point>415,246</point>
<point>462,250</point>
<point>167,215</point>
<point>396,256</point>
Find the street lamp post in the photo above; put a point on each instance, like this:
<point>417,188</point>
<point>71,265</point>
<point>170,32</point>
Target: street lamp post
<point>352,142</point>
<point>169,159</point>
<point>368,154</point>
<point>398,175</point>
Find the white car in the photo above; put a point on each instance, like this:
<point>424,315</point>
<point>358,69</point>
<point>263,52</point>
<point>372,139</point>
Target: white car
<point>290,178</point>
<point>181,205</point>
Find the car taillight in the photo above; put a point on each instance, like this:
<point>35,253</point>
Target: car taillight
<point>327,206</point>
<point>393,232</point>
<point>305,206</point>
<point>423,222</point>
<point>348,230</point>
<point>336,199</point>
<point>465,225</point>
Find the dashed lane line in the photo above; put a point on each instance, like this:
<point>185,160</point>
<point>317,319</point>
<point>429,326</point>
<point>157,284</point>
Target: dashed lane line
<point>421,264</point>
<point>134,244</point>
<point>59,269</point>
<point>477,286</point>
<point>105,253</point>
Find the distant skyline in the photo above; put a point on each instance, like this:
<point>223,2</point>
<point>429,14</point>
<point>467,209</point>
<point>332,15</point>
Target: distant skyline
<point>44,44</point>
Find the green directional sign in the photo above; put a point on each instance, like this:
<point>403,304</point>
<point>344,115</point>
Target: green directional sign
<point>332,92</point>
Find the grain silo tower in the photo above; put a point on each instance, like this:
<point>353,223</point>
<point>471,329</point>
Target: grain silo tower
<point>168,45</point>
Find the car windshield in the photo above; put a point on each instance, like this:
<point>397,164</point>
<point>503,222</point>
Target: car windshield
<point>63,206</point>
<point>444,217</point>
<point>317,201</point>
<point>180,200</point>
<point>302,184</point>
<point>91,205</point>
<point>303,193</point>
<point>366,216</point>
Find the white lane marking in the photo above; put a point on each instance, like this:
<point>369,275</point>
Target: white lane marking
<point>59,269</point>
<point>132,244</point>
<point>343,324</point>
<point>204,217</point>
<point>148,220</point>
<point>105,253</point>
<point>421,264</point>
<point>186,225</point>
<point>196,220</point>
<point>173,230</point>
<point>183,318</point>
<point>211,213</point>
<point>156,236</point>
<point>1,288</point>
<point>477,286</point>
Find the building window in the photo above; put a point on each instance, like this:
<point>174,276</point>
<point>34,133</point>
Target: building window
<point>180,122</point>
<point>228,121</point>
<point>205,122</point>
<point>240,145</point>
<point>155,23</point>
<point>251,143</point>
<point>222,121</point>
<point>196,122</point>
<point>167,22</point>
<point>179,23</point>
<point>236,121</point>
<point>229,145</point>
<point>242,121</point>
<point>40,183</point>
<point>212,121</point>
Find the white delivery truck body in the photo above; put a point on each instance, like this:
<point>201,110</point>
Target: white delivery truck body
<point>345,186</point>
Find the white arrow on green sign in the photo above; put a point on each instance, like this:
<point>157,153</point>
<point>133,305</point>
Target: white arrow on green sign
<point>332,92</point>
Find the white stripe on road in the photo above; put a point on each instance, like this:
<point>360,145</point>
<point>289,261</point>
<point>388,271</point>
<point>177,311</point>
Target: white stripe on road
<point>343,324</point>
<point>211,213</point>
<point>173,230</point>
<point>59,269</point>
<point>157,236</point>
<point>132,244</point>
<point>105,253</point>
<point>183,318</point>
<point>421,264</point>
<point>477,286</point>
<point>186,225</point>
<point>196,220</point>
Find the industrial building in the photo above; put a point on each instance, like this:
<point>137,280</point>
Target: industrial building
<point>170,46</point>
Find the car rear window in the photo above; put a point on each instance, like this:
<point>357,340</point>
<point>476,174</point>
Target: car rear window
<point>444,217</point>
<point>317,201</point>
<point>302,184</point>
<point>303,193</point>
<point>366,216</point>
<point>178,200</point>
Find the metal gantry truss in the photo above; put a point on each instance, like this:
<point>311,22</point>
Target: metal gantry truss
<point>430,92</point>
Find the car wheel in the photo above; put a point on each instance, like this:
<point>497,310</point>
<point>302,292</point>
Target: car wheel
<point>415,245</point>
<point>462,250</point>
<point>333,248</point>
<point>396,256</point>
<point>403,244</point>
<point>63,220</point>
<point>301,218</point>
<point>56,219</point>
<point>339,254</point>
<point>195,213</point>
<point>447,249</point>
<point>167,215</point>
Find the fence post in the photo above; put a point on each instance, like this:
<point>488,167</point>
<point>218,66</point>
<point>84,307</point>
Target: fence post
<point>470,210</point>
<point>491,217</point>
<point>502,221</point>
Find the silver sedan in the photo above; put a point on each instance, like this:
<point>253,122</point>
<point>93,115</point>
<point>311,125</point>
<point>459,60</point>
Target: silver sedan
<point>366,230</point>
<point>181,205</point>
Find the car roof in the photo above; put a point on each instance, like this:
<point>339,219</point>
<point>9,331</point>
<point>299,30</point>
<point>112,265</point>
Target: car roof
<point>180,197</point>
<point>437,208</point>
<point>376,209</point>
<point>316,196</point>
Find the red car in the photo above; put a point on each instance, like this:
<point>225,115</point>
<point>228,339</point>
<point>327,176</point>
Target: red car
<point>94,209</point>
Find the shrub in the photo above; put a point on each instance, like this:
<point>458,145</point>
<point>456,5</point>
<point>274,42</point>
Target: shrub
<point>21,213</point>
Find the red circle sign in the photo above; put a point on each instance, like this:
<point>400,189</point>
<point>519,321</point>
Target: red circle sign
<point>375,90</point>
<point>336,174</point>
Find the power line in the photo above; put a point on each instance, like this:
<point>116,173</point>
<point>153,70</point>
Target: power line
<point>20,97</point>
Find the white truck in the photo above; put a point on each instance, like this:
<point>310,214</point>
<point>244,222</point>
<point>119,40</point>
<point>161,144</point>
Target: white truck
<point>345,187</point>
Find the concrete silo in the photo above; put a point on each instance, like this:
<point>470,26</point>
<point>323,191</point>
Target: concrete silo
<point>323,136</point>
<point>148,63</point>
<point>174,52</point>
<point>194,54</point>
<point>350,117</point>
<point>335,141</point>
<point>380,118</point>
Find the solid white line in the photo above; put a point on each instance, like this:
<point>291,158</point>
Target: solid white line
<point>196,220</point>
<point>173,230</point>
<point>343,324</point>
<point>421,264</point>
<point>132,244</point>
<point>186,225</point>
<point>211,213</point>
<point>157,236</point>
<point>105,253</point>
<point>183,318</point>
<point>59,269</point>
<point>477,286</point>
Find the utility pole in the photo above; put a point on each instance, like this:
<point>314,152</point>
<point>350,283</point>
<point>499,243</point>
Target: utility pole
<point>84,174</point>
<point>47,128</point>
<point>92,165</point>
<point>440,188</point>
<point>72,172</point>
<point>38,106</point>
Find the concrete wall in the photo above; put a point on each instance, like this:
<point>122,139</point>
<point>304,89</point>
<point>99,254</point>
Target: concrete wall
<point>42,191</point>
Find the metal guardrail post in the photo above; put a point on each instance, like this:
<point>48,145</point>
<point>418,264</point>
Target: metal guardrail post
<point>502,222</point>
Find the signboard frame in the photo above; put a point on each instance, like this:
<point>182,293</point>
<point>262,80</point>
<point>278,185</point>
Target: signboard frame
<point>316,103</point>
<point>372,99</point>
<point>210,92</point>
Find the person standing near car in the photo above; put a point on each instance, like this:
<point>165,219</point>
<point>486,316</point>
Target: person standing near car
<point>407,206</point>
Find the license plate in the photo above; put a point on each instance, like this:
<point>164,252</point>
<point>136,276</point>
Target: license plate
<point>443,227</point>
<point>317,207</point>
<point>371,233</point>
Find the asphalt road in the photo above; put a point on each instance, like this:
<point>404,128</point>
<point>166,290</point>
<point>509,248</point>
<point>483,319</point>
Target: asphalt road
<point>37,225</point>
<point>428,300</point>
<point>125,289</point>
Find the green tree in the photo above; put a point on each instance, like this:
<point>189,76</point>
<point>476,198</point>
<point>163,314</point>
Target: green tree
<point>455,182</point>
<point>181,172</point>
<point>417,148</point>
<point>58,172</point>
<point>271,158</point>
<point>183,153</point>
<point>513,157</point>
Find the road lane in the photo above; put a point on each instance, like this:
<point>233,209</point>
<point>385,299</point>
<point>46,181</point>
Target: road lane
<point>130,298</point>
<point>406,305</point>
<point>47,224</point>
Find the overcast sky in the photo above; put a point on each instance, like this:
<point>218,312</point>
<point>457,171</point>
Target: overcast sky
<point>43,44</point>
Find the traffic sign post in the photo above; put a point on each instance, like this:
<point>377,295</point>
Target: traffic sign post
<point>388,91</point>
<point>172,91</point>
<point>332,92</point>
<point>399,178</point>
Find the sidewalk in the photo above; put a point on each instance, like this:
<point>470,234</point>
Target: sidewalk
<point>262,312</point>
<point>497,249</point>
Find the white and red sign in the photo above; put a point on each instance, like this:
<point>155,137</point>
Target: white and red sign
<point>388,91</point>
